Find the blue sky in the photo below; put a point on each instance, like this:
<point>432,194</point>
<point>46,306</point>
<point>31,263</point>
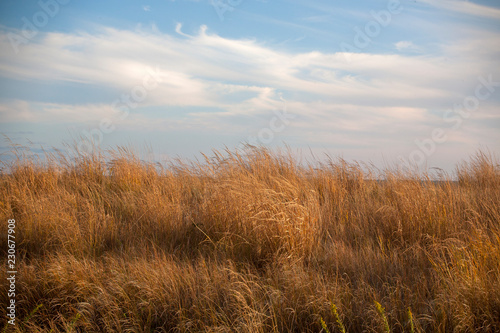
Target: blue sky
<point>382,81</point>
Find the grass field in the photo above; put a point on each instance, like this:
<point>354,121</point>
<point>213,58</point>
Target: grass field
<point>254,243</point>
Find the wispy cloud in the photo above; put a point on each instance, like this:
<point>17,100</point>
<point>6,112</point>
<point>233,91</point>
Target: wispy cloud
<point>209,81</point>
<point>466,7</point>
<point>406,45</point>
<point>37,112</point>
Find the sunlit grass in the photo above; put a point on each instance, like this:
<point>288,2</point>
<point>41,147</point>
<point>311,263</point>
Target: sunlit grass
<point>250,243</point>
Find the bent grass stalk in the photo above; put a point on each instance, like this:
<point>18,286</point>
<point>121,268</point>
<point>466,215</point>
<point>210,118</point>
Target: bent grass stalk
<point>32,313</point>
<point>335,313</point>
<point>73,322</point>
<point>337,318</point>
<point>410,321</point>
<point>381,312</point>
<point>323,324</point>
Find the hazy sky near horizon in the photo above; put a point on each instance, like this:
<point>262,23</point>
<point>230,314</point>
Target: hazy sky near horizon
<point>412,81</point>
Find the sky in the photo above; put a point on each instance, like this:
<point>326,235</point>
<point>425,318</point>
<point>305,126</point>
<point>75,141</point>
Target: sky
<point>387,82</point>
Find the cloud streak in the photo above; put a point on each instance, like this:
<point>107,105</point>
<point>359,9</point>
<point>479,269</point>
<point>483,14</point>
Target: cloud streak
<point>466,7</point>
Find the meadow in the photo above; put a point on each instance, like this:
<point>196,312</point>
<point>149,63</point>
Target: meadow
<point>250,243</point>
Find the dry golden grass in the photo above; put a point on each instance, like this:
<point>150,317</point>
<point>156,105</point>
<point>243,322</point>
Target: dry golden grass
<point>254,243</point>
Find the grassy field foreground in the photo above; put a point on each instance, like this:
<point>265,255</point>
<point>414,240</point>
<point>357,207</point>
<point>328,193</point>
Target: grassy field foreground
<point>253,243</point>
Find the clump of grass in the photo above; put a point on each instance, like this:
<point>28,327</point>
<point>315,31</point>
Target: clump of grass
<point>251,242</point>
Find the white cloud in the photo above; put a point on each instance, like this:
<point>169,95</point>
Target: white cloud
<point>405,45</point>
<point>193,65</point>
<point>146,8</point>
<point>178,29</point>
